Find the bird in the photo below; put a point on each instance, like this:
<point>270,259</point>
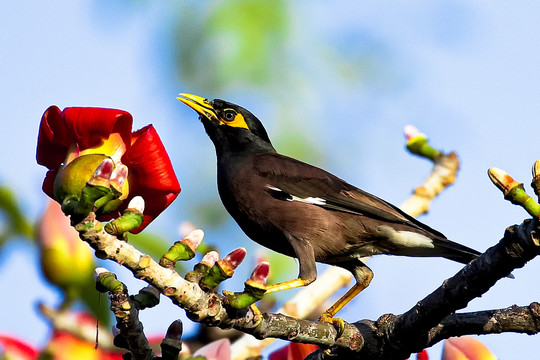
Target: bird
<point>305,212</point>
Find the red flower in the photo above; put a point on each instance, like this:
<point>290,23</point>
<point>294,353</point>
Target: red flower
<point>293,351</point>
<point>65,260</point>
<point>423,355</point>
<point>68,134</point>
<point>13,348</point>
<point>466,348</point>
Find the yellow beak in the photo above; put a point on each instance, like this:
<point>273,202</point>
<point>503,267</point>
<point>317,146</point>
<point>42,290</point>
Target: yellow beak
<point>199,104</point>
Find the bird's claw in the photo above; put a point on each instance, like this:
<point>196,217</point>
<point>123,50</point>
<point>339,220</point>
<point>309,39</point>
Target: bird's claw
<point>338,323</point>
<point>257,316</point>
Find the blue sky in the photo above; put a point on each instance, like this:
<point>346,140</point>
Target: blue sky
<point>465,73</point>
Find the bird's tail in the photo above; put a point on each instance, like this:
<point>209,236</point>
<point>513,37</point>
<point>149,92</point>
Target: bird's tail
<point>454,251</point>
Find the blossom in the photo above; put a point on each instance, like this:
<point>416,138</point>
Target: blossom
<point>14,348</point>
<point>466,348</point>
<point>65,135</point>
<point>293,351</point>
<point>66,346</point>
<point>66,261</point>
<point>217,350</point>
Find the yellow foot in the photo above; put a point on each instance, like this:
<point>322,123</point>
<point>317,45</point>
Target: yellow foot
<point>338,323</point>
<point>257,316</point>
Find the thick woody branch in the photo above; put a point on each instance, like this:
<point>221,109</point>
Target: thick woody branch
<point>391,336</point>
<point>126,311</point>
<point>518,319</point>
<point>396,337</point>
<point>207,307</point>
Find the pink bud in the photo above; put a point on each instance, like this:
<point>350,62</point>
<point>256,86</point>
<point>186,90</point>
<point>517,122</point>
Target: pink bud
<point>261,272</point>
<point>210,258</point>
<point>235,257</point>
<point>194,238</point>
<point>137,203</point>
<point>104,169</point>
<point>119,176</point>
<point>412,132</point>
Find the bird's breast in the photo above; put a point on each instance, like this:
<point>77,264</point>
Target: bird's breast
<point>274,222</point>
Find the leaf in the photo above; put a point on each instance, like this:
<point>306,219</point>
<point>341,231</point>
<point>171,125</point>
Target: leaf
<point>241,41</point>
<point>16,223</point>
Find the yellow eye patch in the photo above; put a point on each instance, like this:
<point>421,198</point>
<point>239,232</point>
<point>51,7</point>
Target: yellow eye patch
<point>232,118</point>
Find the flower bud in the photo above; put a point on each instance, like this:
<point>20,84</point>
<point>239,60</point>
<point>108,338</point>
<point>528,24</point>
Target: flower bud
<point>66,261</point>
<point>72,178</point>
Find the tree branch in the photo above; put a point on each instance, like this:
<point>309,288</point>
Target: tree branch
<point>518,319</point>
<point>396,337</point>
<point>389,337</point>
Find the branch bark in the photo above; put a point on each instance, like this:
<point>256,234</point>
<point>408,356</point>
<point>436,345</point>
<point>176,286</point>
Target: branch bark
<point>389,337</point>
<point>431,320</point>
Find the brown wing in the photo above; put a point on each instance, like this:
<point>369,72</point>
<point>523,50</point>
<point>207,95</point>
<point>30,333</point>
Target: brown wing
<point>298,180</point>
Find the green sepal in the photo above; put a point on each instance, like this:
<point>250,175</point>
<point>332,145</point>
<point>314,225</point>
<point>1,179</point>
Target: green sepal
<point>180,251</point>
<point>252,293</point>
<point>109,201</point>
<point>517,196</point>
<point>419,145</point>
<point>78,209</point>
<point>110,206</point>
<point>216,275</point>
<point>107,282</point>
<point>89,196</point>
<point>130,220</point>
<point>535,184</point>
<point>199,271</point>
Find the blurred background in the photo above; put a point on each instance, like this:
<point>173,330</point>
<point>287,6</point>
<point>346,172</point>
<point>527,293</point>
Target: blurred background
<point>334,84</point>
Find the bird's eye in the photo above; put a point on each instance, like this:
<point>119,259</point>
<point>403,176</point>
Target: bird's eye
<point>229,115</point>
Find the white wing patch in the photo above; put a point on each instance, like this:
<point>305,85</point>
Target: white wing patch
<point>406,239</point>
<point>310,200</point>
<point>290,197</point>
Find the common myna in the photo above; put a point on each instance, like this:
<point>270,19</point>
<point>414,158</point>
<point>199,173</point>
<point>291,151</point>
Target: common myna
<point>305,212</point>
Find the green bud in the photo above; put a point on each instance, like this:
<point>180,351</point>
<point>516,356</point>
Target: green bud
<point>72,178</point>
<point>130,220</point>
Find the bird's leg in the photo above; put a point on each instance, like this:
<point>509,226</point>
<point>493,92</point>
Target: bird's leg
<point>291,284</point>
<point>363,276</point>
<point>308,269</point>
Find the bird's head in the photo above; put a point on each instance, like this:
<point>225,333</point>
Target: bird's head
<point>228,125</point>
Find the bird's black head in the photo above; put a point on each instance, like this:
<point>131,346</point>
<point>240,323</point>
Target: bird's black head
<point>229,126</point>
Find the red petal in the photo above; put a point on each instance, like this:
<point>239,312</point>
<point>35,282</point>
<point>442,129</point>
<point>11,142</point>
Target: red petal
<point>48,183</point>
<point>423,355</point>
<point>293,351</point>
<point>87,127</point>
<point>17,348</point>
<point>151,174</point>
<point>53,139</point>
<point>149,162</point>
<point>90,126</point>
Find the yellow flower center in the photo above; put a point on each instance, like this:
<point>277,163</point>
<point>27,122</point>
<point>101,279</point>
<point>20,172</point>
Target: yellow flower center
<point>114,147</point>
